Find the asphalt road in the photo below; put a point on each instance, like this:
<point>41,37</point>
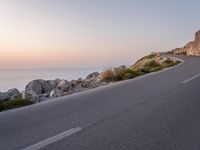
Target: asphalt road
<point>159,111</point>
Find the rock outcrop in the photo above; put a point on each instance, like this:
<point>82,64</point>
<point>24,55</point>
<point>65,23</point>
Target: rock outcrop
<point>192,48</point>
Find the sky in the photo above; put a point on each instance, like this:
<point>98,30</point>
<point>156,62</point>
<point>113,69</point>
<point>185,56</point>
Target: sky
<point>92,33</point>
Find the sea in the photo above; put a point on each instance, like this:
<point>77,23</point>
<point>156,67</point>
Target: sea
<point>19,78</point>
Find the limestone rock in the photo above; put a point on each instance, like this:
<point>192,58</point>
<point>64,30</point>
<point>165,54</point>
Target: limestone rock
<point>11,94</point>
<point>36,86</point>
<point>121,67</point>
<point>14,94</point>
<point>64,85</point>
<point>56,93</point>
<point>92,75</point>
<point>49,85</point>
<point>85,83</point>
<point>31,95</point>
<point>43,97</point>
<point>3,97</point>
<point>23,95</point>
<point>33,89</point>
<point>192,48</point>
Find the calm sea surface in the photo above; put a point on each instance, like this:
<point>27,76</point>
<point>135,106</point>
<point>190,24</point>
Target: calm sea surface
<point>19,78</point>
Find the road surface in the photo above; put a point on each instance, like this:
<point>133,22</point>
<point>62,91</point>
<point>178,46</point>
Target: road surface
<point>159,111</point>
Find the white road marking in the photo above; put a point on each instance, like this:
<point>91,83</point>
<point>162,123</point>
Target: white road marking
<point>190,79</point>
<point>53,139</point>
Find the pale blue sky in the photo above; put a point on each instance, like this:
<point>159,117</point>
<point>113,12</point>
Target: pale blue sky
<point>90,33</point>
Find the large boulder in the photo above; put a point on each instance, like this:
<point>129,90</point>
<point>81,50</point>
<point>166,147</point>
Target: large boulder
<point>93,80</point>
<point>57,81</point>
<point>64,86</point>
<point>11,94</point>
<point>31,95</point>
<point>3,97</point>
<point>33,89</point>
<point>36,86</point>
<point>49,85</point>
<point>14,94</point>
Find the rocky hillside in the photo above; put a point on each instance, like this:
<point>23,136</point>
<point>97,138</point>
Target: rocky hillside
<point>41,90</point>
<point>153,62</point>
<point>192,48</point>
<point>147,59</point>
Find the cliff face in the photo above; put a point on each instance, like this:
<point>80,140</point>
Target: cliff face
<point>192,48</point>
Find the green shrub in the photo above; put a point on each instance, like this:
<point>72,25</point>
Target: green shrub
<point>120,73</point>
<point>151,66</point>
<point>127,76</point>
<point>109,75</point>
<point>117,74</point>
<point>145,70</point>
<point>124,74</point>
<point>139,72</point>
<point>177,62</point>
<point>154,69</point>
<point>169,63</point>
<point>14,104</point>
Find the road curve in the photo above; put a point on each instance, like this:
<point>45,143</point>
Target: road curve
<point>159,111</point>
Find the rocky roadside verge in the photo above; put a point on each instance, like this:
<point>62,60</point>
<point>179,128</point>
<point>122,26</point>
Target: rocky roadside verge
<point>41,90</point>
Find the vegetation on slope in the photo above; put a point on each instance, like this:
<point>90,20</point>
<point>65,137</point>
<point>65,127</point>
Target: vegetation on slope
<point>148,57</point>
<point>118,74</point>
<point>5,105</point>
<point>148,64</point>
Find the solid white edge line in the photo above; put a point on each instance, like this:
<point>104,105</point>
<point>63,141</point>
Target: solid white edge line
<point>190,79</point>
<point>53,139</point>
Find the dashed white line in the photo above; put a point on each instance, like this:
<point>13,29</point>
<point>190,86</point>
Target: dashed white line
<point>53,139</point>
<point>190,79</point>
